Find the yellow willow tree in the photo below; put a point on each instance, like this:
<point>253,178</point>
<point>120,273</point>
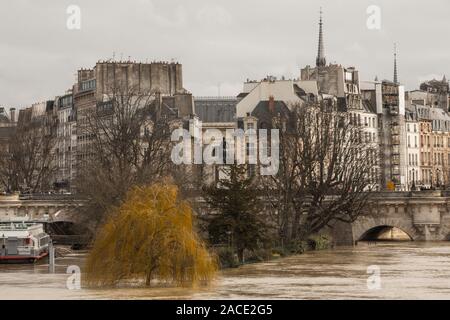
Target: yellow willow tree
<point>150,236</point>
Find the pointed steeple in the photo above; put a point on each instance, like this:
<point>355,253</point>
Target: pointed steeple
<point>376,78</point>
<point>444,79</point>
<point>395,64</point>
<point>320,60</point>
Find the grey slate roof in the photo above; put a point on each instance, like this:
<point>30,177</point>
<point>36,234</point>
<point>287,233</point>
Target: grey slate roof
<point>215,109</point>
<point>368,106</point>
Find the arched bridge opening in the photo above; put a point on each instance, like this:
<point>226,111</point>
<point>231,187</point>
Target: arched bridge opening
<point>385,233</point>
<point>67,233</point>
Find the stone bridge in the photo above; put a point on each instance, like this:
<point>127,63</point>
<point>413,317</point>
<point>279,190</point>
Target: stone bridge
<point>39,208</point>
<point>423,215</point>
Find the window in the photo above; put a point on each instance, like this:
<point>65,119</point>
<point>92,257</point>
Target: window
<point>251,149</point>
<point>348,76</point>
<point>88,85</point>
<point>251,170</point>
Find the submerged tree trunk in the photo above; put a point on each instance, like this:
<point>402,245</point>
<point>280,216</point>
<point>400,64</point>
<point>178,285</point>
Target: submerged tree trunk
<point>148,279</point>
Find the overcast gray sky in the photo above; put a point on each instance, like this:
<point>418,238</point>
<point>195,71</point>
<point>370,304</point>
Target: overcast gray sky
<point>217,41</point>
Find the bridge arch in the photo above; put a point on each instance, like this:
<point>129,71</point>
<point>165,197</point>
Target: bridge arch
<point>385,232</point>
<point>362,227</point>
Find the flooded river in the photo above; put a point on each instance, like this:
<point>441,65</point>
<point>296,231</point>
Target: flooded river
<point>408,270</point>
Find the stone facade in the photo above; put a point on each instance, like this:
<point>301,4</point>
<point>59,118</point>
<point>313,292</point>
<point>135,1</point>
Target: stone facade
<point>413,176</point>
<point>66,142</point>
<point>160,80</point>
<point>40,209</point>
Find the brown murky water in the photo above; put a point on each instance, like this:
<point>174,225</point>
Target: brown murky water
<point>409,270</point>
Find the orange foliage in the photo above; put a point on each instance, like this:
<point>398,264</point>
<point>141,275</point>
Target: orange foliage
<point>150,236</point>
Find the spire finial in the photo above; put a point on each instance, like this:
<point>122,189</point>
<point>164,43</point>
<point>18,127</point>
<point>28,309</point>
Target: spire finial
<point>395,64</point>
<point>320,60</point>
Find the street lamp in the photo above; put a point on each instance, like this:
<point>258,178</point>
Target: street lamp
<point>229,238</point>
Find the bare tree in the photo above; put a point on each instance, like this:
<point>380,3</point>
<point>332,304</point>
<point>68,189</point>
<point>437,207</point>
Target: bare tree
<point>27,162</point>
<point>128,144</point>
<point>324,173</point>
<point>8,173</point>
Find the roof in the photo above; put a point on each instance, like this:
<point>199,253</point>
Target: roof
<point>288,91</point>
<point>368,106</point>
<point>411,113</point>
<point>266,110</point>
<point>4,118</point>
<point>439,114</point>
<point>6,132</point>
<point>216,110</point>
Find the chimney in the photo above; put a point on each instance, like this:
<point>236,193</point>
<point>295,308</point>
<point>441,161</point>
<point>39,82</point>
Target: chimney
<point>12,114</point>
<point>271,104</point>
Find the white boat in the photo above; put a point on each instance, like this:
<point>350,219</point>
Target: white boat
<point>22,242</point>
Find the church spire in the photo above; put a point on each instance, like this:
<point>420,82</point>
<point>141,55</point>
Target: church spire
<point>320,60</point>
<point>395,64</point>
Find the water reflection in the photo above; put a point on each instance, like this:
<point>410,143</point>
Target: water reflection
<point>409,270</point>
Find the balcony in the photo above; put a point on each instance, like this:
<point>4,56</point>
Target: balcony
<point>395,131</point>
<point>395,161</point>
